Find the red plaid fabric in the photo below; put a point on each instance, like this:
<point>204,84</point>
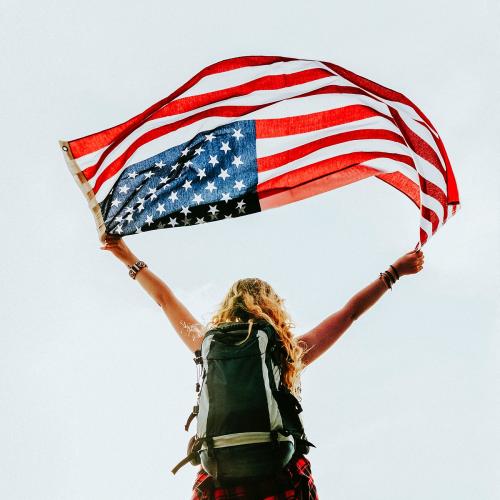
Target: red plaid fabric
<point>294,482</point>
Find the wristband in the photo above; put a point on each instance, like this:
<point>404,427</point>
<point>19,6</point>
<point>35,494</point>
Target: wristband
<point>135,268</point>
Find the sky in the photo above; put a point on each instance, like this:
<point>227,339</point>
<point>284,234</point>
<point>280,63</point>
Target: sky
<point>95,385</point>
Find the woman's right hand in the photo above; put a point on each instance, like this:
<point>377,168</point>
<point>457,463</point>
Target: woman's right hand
<point>117,247</point>
<point>410,263</point>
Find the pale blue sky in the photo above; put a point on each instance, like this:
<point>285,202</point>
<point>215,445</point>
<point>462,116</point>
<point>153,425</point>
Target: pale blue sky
<point>95,386</point>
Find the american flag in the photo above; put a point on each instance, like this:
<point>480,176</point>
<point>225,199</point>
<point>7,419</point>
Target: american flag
<point>257,132</point>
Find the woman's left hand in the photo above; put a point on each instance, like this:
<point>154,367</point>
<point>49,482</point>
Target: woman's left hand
<point>410,263</point>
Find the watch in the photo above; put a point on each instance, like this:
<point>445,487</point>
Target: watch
<point>135,268</point>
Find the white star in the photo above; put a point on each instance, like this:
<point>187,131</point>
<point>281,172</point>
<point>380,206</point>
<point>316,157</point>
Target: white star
<point>173,222</point>
<point>173,167</point>
<point>237,161</point>
<point>148,174</point>
<point>228,216</point>
<point>160,164</point>
<point>223,174</point>
<point>129,210</point>
<point>188,163</point>
<point>237,134</point>
<point>185,210</point>
<point>225,147</point>
<point>240,206</point>
<point>160,208</point>
<point>187,185</point>
<point>140,208</point>
<point>152,192</point>
<point>160,225</point>
<point>115,202</point>
<point>133,175</point>
<point>200,220</point>
<point>210,137</point>
<point>184,152</point>
<point>201,173</point>
<point>198,151</point>
<point>213,209</point>
<point>239,185</point>
<point>213,160</point>
<point>149,220</point>
<point>197,198</point>
<point>226,197</point>
<point>186,221</point>
<point>211,186</point>
<point>124,189</point>
<point>118,229</point>
<point>163,180</point>
<point>173,196</point>
<point>129,217</point>
<point>137,230</point>
<point>118,218</point>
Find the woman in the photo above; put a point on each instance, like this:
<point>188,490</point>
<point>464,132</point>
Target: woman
<point>250,299</point>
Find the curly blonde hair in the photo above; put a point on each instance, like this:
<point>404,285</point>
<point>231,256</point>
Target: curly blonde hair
<point>250,299</point>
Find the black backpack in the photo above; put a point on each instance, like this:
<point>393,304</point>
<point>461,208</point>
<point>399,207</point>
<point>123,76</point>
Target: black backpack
<point>248,422</point>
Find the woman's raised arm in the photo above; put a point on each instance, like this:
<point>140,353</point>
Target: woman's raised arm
<point>184,323</point>
<point>323,336</point>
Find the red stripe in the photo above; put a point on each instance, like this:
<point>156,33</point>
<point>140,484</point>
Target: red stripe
<point>324,167</point>
<point>276,196</point>
<point>435,192</point>
<point>431,216</point>
<point>403,184</point>
<point>93,142</point>
<point>278,127</point>
<point>423,237</point>
<point>187,104</point>
<point>279,159</point>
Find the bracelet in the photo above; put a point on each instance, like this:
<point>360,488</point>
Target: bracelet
<point>135,268</point>
<point>385,280</point>
<point>392,278</point>
<point>395,270</point>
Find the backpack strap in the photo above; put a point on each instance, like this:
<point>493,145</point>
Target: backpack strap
<point>192,456</point>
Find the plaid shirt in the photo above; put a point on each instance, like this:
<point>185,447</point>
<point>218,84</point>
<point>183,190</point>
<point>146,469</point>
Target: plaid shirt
<point>295,482</point>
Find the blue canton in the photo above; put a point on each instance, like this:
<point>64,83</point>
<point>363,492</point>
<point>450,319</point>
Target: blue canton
<point>211,177</point>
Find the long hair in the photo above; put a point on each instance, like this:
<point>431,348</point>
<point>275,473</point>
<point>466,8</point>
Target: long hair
<point>250,299</point>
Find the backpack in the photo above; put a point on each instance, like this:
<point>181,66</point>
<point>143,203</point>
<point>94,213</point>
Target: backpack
<point>248,422</point>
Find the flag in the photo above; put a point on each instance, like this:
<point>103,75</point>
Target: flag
<point>253,133</point>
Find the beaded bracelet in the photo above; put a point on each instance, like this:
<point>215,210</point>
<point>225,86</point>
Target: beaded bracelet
<point>385,280</point>
<point>393,279</point>
<point>395,270</point>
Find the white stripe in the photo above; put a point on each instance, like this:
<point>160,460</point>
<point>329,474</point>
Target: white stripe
<point>388,165</point>
<point>272,405</point>
<point>376,145</point>
<point>428,171</point>
<point>426,226</point>
<point>433,205</point>
<point>273,145</point>
<point>425,135</point>
<point>240,76</point>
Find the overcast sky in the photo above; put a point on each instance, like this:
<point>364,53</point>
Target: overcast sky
<point>95,385</point>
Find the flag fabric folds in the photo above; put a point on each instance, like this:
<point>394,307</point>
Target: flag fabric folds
<point>257,132</point>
